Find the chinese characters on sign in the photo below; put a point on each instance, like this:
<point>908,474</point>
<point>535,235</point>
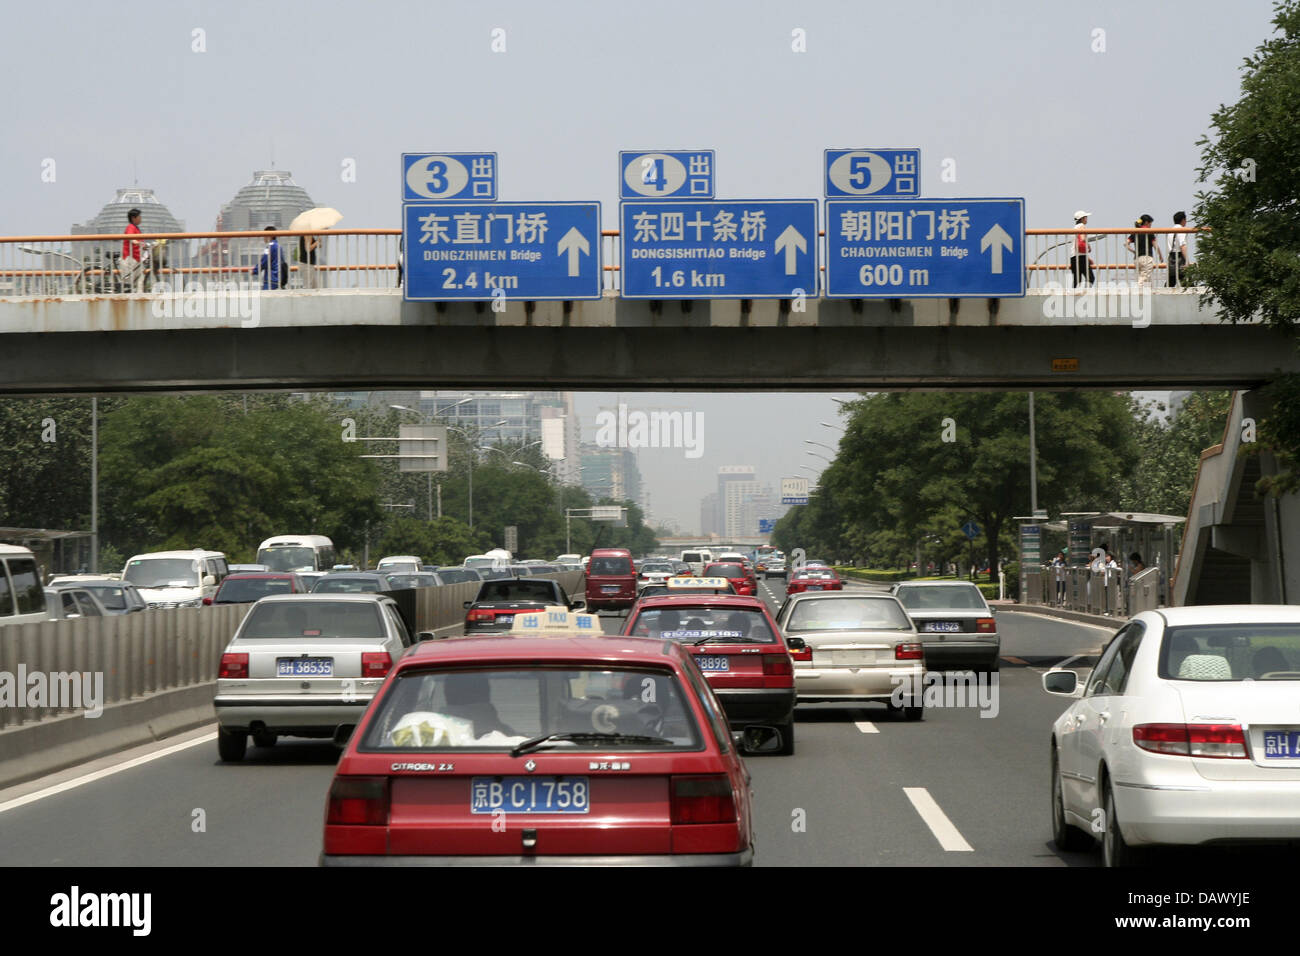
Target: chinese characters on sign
<point>448,177</point>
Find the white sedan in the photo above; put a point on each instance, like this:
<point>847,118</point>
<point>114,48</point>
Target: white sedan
<point>1187,731</point>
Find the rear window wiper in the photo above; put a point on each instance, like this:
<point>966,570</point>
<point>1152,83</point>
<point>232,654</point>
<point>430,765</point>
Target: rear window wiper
<point>727,640</point>
<point>585,737</point>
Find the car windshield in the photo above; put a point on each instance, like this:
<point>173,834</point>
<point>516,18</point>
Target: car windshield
<point>340,584</point>
<point>112,596</point>
<point>1221,652</point>
<point>401,581</point>
<point>724,571</point>
<point>955,597</point>
<point>162,573</point>
<point>496,709</point>
<point>243,590</point>
<point>287,558</point>
<point>609,566</point>
<point>743,625</point>
<point>314,619</point>
<point>848,614</point>
<point>479,562</point>
<point>518,590</point>
<point>657,567</point>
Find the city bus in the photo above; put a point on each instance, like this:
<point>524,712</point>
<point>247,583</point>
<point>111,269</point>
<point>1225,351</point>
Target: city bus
<point>297,552</point>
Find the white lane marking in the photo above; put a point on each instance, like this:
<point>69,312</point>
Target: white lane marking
<point>106,772</point>
<point>866,726</point>
<point>948,836</point>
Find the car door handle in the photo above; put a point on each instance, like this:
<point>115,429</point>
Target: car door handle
<point>1079,718</point>
<point>1103,717</point>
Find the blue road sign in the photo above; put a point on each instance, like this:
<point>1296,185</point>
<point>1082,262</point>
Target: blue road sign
<point>971,530</point>
<point>725,249</point>
<point>872,173</point>
<point>502,250</point>
<point>766,525</point>
<point>668,174</point>
<point>919,248</point>
<point>449,177</point>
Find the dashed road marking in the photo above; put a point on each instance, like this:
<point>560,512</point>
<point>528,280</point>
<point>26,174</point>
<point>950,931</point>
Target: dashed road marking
<point>866,726</point>
<point>948,836</point>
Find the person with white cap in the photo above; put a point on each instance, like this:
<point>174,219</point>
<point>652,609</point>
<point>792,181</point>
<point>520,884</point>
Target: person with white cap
<point>1081,264</point>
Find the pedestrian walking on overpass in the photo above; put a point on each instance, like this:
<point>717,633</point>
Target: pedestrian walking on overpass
<point>1081,264</point>
<point>1178,253</point>
<point>272,266</point>
<point>1143,244</point>
<point>131,265</point>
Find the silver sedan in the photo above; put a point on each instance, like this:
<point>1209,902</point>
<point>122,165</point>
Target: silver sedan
<point>858,647</point>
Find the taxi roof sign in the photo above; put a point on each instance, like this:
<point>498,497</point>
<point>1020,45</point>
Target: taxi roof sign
<point>722,584</point>
<point>555,619</point>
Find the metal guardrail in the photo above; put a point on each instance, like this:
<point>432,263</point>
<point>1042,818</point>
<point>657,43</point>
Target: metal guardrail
<point>151,651</point>
<point>1116,594</point>
<point>44,266</point>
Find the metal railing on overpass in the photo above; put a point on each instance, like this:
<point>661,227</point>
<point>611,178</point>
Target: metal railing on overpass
<point>369,259</point>
<point>1113,594</point>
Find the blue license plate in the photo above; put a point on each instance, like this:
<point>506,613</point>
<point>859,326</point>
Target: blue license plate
<point>945,626</point>
<point>529,795</point>
<point>713,663</point>
<point>1282,745</point>
<point>609,589</point>
<point>304,667</point>
<point>813,587</point>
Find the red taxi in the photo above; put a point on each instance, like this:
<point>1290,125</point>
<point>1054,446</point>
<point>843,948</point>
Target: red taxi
<point>814,579</point>
<point>737,646</point>
<point>742,578</point>
<point>551,745</point>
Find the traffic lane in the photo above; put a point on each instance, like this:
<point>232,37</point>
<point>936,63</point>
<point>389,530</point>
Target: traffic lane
<point>1043,641</point>
<point>987,775</point>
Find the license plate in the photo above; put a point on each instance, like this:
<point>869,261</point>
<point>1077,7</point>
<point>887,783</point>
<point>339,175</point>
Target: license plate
<point>609,589</point>
<point>1282,745</point>
<point>713,663</point>
<point>813,587</point>
<point>945,626</point>
<point>505,618</point>
<point>529,795</point>
<point>852,658</point>
<point>304,667</point>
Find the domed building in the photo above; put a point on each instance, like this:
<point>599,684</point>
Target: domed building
<point>271,199</point>
<point>154,215</point>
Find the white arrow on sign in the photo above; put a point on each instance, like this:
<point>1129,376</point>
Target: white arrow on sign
<point>998,238</point>
<point>573,243</point>
<point>791,240</point>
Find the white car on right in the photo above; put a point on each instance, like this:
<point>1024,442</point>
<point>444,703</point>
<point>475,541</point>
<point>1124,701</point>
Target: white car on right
<point>1186,732</point>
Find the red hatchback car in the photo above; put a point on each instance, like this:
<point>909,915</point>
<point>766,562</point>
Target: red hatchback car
<point>567,749</point>
<point>742,579</point>
<point>814,579</point>
<point>738,648</point>
<point>611,579</point>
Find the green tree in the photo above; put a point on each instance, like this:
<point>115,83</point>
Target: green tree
<point>45,463</point>
<point>1171,452</point>
<point>1250,258</point>
<point>443,541</point>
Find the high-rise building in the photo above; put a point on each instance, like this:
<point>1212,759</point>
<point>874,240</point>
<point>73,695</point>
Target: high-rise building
<point>709,524</point>
<point>610,473</point>
<point>734,481</point>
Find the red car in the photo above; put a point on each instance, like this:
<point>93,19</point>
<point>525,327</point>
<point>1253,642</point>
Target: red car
<point>737,646</point>
<point>814,579</point>
<point>536,750</point>
<point>249,586</point>
<point>742,578</point>
<point>611,579</point>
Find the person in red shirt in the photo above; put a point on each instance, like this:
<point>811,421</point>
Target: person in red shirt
<point>1081,264</point>
<point>131,267</point>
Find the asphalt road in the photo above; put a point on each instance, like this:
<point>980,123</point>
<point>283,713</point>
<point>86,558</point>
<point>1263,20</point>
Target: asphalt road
<point>862,788</point>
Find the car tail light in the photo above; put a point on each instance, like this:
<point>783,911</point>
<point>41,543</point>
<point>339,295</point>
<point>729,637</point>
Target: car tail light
<point>908,652</point>
<point>986,625</point>
<point>1192,740</point>
<point>803,655</point>
<point>480,615</point>
<point>375,663</point>
<point>358,801</point>
<point>777,665</point>
<point>207,601</point>
<point>702,800</point>
<point>233,665</point>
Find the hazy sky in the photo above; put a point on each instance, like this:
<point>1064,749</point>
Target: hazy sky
<point>1095,105</point>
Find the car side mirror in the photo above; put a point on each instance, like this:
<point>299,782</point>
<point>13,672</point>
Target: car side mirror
<point>795,643</point>
<point>426,636</point>
<point>343,733</point>
<point>1061,683</point>
<point>468,604</point>
<point>577,604</point>
<point>759,739</point>
<point>209,580</point>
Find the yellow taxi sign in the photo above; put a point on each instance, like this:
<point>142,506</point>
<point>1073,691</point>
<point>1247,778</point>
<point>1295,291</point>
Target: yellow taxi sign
<point>719,583</point>
<point>552,619</point>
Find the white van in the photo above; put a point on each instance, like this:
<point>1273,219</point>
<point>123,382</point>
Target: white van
<point>297,552</point>
<point>400,564</point>
<point>496,559</point>
<point>168,579</point>
<point>698,560</point>
<point>22,598</point>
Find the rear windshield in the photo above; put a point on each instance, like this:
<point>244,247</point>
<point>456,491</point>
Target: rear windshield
<point>322,619</point>
<point>498,708</point>
<point>1220,652</point>
<point>517,590</point>
<point>716,624</point>
<point>658,567</point>
<point>342,585</point>
<point>112,596</point>
<point>413,581</point>
<point>609,566</point>
<point>456,576</point>
<point>724,571</point>
<point>242,590</point>
<point>958,597</point>
<point>848,614</point>
<point>288,558</point>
